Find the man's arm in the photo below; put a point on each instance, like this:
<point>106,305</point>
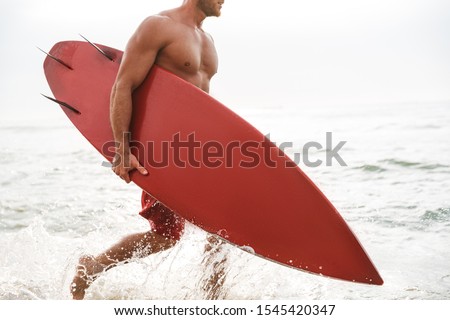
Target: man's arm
<point>139,57</point>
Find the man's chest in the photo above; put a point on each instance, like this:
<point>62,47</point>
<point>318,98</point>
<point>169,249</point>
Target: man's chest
<point>192,53</point>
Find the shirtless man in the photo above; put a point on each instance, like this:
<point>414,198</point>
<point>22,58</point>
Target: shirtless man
<point>175,41</point>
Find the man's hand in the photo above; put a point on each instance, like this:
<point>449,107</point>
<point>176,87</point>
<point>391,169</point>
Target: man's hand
<point>123,163</point>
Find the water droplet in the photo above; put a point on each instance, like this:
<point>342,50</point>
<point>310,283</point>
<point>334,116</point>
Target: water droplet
<point>223,233</point>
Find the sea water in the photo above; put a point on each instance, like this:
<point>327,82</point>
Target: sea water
<point>58,202</point>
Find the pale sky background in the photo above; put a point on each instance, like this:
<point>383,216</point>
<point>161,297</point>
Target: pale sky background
<point>272,53</point>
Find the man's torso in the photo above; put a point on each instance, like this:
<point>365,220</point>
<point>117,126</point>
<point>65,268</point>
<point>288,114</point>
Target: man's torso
<point>189,53</point>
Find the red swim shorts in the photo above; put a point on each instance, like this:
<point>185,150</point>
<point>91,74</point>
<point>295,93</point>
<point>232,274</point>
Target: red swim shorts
<point>163,221</point>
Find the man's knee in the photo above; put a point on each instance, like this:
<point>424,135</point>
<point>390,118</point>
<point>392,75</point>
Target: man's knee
<point>157,242</point>
<point>214,242</point>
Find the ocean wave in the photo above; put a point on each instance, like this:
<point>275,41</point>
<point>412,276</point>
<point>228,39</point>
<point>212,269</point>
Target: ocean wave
<point>371,168</point>
<point>436,216</point>
<point>401,163</point>
<point>434,166</point>
<point>415,221</point>
<point>412,164</point>
<point>387,164</point>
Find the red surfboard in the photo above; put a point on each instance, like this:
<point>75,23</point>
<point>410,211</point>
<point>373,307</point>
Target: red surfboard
<point>209,165</point>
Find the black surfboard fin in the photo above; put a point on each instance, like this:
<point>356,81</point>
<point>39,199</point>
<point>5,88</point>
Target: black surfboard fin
<point>56,59</point>
<point>62,104</point>
<point>98,49</point>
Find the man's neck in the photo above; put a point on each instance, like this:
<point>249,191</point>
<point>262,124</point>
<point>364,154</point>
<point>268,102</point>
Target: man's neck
<point>191,14</point>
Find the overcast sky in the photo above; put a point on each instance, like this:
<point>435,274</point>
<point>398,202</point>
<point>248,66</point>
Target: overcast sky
<point>272,53</point>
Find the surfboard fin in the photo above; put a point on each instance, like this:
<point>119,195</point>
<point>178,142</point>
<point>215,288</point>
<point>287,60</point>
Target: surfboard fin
<point>62,103</point>
<point>98,49</point>
<point>56,59</point>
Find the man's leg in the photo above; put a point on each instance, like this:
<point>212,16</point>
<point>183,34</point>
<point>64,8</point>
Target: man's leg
<point>138,245</point>
<point>215,264</point>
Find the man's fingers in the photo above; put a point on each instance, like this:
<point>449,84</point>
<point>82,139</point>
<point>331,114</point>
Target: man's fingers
<point>142,170</point>
<point>123,172</point>
<point>124,175</point>
<point>138,167</point>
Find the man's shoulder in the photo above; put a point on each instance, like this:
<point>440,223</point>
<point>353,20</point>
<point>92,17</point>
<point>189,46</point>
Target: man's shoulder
<point>157,20</point>
<point>165,21</point>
